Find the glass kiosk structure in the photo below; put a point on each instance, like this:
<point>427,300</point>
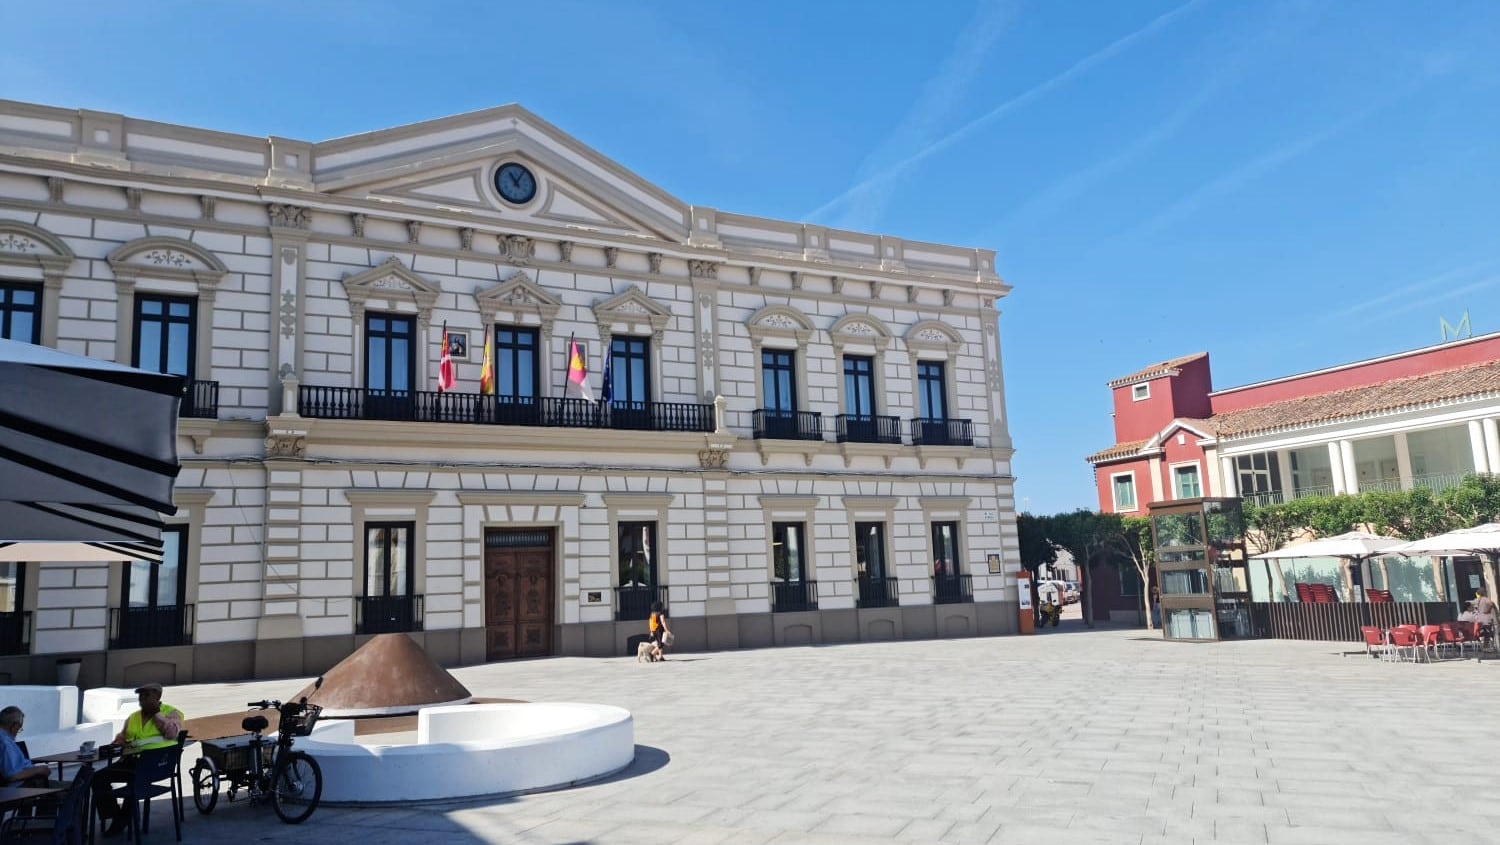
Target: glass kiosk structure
<point>1202,573</point>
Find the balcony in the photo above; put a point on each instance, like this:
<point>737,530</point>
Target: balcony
<point>388,614</point>
<point>792,596</point>
<point>15,632</point>
<point>634,602</point>
<point>878,592</point>
<point>865,428</point>
<point>772,424</point>
<point>953,589</point>
<point>200,400</point>
<point>1436,482</point>
<point>150,627</point>
<point>941,432</point>
<point>350,403</point>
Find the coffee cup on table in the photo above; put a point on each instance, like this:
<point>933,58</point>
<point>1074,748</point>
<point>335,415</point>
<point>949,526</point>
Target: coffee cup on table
<point>86,749</point>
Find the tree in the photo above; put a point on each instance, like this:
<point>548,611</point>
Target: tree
<point>1037,550</point>
<point>1089,537</point>
<point>1134,543</point>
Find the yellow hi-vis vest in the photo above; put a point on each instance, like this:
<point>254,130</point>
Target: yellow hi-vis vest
<point>140,737</point>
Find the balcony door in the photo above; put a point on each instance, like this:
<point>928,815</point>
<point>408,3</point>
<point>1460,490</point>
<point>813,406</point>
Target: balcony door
<point>517,372</point>
<point>13,633</point>
<point>630,383</point>
<point>871,566</point>
<point>164,334</point>
<point>948,580</point>
<point>636,552</point>
<point>932,403</point>
<point>388,605</point>
<point>152,606</point>
<point>792,588</point>
<point>390,366</point>
<point>778,387</point>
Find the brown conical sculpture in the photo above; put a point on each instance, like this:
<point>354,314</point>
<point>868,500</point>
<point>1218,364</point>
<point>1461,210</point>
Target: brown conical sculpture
<point>387,676</point>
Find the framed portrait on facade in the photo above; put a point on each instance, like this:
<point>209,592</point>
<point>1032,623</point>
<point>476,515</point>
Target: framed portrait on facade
<point>458,344</point>
<point>994,562</point>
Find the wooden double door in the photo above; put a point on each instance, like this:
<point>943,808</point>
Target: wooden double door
<point>518,594</point>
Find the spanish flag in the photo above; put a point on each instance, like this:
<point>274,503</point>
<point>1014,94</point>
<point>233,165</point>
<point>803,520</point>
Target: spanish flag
<point>578,371</point>
<point>487,373</point>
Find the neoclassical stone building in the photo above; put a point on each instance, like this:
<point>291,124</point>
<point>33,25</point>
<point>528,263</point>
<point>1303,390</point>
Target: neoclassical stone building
<point>805,437</point>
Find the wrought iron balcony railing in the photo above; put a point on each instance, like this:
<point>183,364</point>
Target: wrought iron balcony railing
<point>149,627</point>
<point>879,592</point>
<point>634,602</point>
<point>772,424</point>
<point>388,614</point>
<point>792,596</point>
<point>866,428</point>
<point>200,400</point>
<point>953,589</point>
<point>941,432</point>
<point>351,403</point>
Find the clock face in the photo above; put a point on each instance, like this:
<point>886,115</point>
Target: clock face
<point>515,183</point>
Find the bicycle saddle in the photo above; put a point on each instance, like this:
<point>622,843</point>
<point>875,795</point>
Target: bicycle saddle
<point>254,724</point>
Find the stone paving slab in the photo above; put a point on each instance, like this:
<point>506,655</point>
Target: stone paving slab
<point>1104,737</point>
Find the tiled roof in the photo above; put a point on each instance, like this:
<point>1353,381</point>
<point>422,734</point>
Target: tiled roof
<point>1119,450</point>
<point>1342,404</point>
<point>1156,370</point>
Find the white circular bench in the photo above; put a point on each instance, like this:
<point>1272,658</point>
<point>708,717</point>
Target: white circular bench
<point>476,749</point>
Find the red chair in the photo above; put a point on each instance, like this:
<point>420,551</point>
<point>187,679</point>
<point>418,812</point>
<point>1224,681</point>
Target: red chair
<point>1376,644</point>
<point>1453,637</point>
<point>1431,637</point>
<point>1404,637</point>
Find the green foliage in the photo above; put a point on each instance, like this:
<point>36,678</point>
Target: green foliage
<point>1036,549</point>
<point>1084,533</point>
<point>1408,514</point>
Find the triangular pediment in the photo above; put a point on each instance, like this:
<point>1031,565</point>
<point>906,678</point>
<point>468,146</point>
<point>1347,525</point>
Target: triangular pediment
<point>391,285</point>
<point>633,311</point>
<point>517,301</point>
<point>451,163</point>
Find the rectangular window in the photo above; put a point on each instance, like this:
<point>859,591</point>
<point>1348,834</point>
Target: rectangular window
<point>1185,482</point>
<point>1258,473</point>
<point>21,312</point>
<point>778,380</point>
<point>389,568</point>
<point>636,543</point>
<point>12,617</point>
<point>932,396</point>
<point>859,385</point>
<point>1140,391</point>
<point>1124,488</point>
<point>164,329</point>
<point>1186,582</point>
<point>517,366</point>
<point>155,586</point>
<point>787,556</point>
<point>945,559</point>
<point>1189,624</point>
<point>389,362</point>
<point>869,549</point>
<point>630,369</point>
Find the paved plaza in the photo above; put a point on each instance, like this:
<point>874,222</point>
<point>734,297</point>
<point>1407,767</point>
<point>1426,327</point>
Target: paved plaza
<point>1108,736</point>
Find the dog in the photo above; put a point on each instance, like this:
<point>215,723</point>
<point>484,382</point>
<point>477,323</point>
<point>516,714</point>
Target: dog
<point>648,652</point>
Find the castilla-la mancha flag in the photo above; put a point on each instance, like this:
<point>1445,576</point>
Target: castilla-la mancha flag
<point>578,371</point>
<point>447,373</point>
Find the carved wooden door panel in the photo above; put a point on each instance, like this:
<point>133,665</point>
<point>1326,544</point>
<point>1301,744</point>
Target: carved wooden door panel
<point>499,604</point>
<point>533,599</point>
<point>518,603</point>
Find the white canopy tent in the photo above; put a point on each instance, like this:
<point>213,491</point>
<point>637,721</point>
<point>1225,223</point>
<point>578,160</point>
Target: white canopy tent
<point>1481,540</point>
<point>1358,547</point>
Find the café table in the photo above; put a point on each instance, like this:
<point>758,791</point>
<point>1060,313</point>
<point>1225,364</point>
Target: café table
<point>104,754</point>
<point>15,797</point>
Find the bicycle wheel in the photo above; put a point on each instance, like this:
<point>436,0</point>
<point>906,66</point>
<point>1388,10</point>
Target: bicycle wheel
<point>205,785</point>
<point>296,786</point>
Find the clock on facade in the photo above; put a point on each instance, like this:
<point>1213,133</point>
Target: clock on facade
<point>515,183</point>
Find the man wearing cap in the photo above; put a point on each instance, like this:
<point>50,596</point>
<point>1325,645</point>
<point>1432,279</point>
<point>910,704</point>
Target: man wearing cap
<point>155,725</point>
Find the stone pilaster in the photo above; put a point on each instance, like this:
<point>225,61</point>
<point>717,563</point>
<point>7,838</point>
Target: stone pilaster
<point>286,447</point>
<point>289,293</point>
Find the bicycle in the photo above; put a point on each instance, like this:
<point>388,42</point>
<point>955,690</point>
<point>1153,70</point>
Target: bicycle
<point>292,780</point>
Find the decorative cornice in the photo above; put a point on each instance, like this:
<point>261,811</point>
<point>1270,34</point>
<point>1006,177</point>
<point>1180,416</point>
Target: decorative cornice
<point>631,308</point>
<point>885,503</point>
<point>167,258</point>
<point>785,501</point>
<point>25,245</point>
<point>385,496</point>
<point>394,282</point>
<point>932,335</point>
<point>636,501</point>
<point>701,269</point>
<point>517,296</point>
<point>517,249</point>
<point>286,444</point>
<point>511,499</point>
<point>781,321</point>
<point>859,329</point>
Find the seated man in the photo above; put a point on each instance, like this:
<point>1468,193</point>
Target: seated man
<point>16,769</point>
<point>155,725</point>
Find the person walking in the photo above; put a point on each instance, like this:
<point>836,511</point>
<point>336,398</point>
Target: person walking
<point>656,625</point>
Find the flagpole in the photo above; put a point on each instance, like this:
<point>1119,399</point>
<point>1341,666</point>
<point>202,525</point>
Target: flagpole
<point>567,365</point>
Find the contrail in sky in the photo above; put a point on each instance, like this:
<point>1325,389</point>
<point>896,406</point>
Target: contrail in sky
<point>1081,67</point>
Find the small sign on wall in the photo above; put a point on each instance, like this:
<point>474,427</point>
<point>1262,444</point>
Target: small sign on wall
<point>594,597</point>
<point>990,516</point>
<point>994,562</point>
<point>458,344</point>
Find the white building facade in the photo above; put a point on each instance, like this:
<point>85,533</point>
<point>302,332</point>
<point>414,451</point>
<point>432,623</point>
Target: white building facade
<point>806,438</point>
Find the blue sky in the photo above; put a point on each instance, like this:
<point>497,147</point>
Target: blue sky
<point>1287,185</point>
